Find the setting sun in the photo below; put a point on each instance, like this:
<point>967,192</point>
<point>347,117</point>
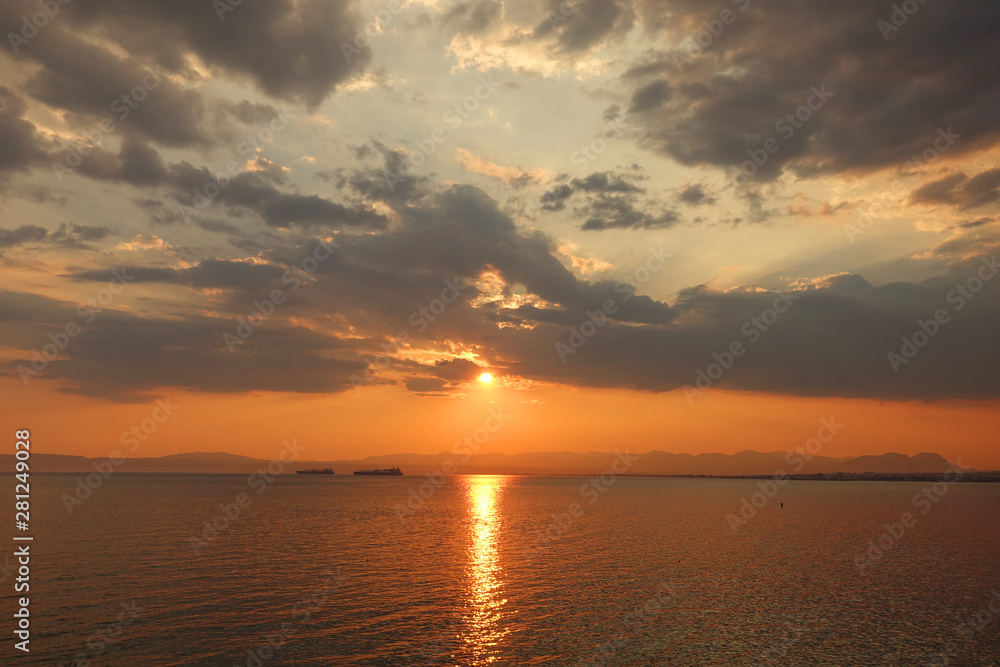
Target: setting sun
<point>486,378</point>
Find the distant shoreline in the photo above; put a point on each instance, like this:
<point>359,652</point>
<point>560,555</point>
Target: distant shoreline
<point>978,476</point>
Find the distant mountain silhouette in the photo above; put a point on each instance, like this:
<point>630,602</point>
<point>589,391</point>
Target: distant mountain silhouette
<point>540,463</point>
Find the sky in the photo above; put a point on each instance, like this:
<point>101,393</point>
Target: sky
<point>673,225</point>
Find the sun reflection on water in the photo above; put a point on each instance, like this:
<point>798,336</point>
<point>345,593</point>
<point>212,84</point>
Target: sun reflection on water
<point>484,622</point>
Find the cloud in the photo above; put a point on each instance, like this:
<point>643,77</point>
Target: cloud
<point>96,85</point>
<point>457,370</point>
<point>583,25</point>
<point>210,273</point>
<point>606,212</point>
<point>21,235</point>
<point>426,386</point>
<point>649,97</point>
<point>68,235</point>
<point>960,191</point>
<point>19,142</point>
<point>124,358</point>
<point>251,190</point>
<point>882,100</point>
<point>833,341</point>
<point>472,17</point>
<point>291,49</point>
<point>72,235</point>
<point>612,202</point>
<point>694,194</point>
<point>512,176</point>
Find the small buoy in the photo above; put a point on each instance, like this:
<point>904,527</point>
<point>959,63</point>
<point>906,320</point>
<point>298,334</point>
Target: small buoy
<point>782,504</point>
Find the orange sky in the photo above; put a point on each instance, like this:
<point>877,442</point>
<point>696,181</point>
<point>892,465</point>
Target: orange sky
<point>390,420</point>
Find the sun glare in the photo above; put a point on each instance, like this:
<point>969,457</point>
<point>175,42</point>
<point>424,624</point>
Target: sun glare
<point>486,378</point>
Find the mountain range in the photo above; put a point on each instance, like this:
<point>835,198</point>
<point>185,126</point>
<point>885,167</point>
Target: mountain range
<point>544,463</point>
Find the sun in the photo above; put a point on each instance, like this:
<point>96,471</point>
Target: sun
<point>486,378</point>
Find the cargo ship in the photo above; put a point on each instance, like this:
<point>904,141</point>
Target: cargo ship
<point>315,471</point>
<point>379,471</point>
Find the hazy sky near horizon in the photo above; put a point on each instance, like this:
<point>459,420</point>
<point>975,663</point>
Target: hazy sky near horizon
<point>325,220</point>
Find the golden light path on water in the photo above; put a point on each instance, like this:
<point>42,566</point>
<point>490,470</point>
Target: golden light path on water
<point>484,624</point>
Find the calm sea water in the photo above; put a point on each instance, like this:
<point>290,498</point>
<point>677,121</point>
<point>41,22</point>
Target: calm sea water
<point>323,571</point>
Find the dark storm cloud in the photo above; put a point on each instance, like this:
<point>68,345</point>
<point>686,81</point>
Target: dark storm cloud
<point>457,370</point>
<point>121,357</point>
<point>158,211</point>
<point>969,224</point>
<point>256,191</point>
<point>960,191</point>
<point>694,195</point>
<point>833,340</point>
<point>885,101</point>
<point>580,26</point>
<point>649,97</point>
<point>96,85</point>
<point>555,199</point>
<point>251,113</point>
<point>20,147</point>
<point>606,212</point>
<point>426,386</point>
<point>455,233</point>
<point>604,182</point>
<point>21,235</point>
<point>68,235</point>
<point>211,273</point>
<point>391,183</point>
<point>472,17</point>
<point>383,283</point>
<point>72,235</point>
<point>612,202</point>
<point>290,49</point>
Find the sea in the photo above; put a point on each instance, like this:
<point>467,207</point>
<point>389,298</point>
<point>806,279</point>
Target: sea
<point>201,569</point>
